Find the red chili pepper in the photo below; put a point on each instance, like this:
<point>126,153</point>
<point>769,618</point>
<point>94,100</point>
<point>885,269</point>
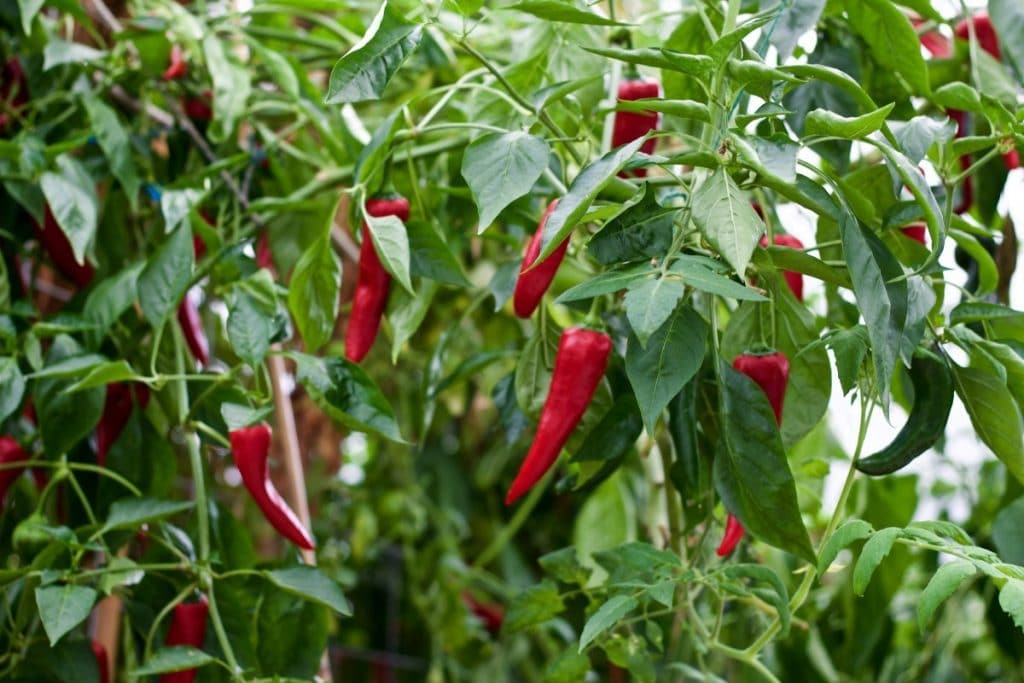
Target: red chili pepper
<point>102,661</point>
<point>192,326</point>
<point>58,248</point>
<point>771,372</point>
<point>934,42</point>
<point>373,284</point>
<point>733,533</point>
<point>629,125</point>
<point>177,68</point>
<point>917,232</point>
<point>264,259</point>
<point>794,279</point>
<point>251,446</point>
<point>199,108</point>
<point>983,31</point>
<point>491,614</point>
<point>1012,159</point>
<point>579,366</point>
<point>13,90</point>
<point>10,452</point>
<point>188,627</point>
<point>533,282</point>
<point>117,408</point>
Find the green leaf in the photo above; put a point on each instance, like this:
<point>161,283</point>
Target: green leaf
<point>892,40</point>
<point>751,472</point>
<point>406,314</point>
<point>779,598</point>
<point>696,273</point>
<point>826,123</point>
<point>607,616</point>
<point>177,658</point>
<point>364,72</point>
<point>797,18</point>
<point>564,565</point>
<point>958,95</point>
<point>371,159</point>
<point>696,65</point>
<point>1011,599</point>
<point>431,257</point>
<point>976,311</point>
<point>553,10</point>
<point>533,371</point>
<point>59,52</point>
<point>28,10</point>
<point>851,531</point>
<point>132,513</point>
<point>640,230</point>
<point>994,415</point>
<point>724,46</point>
<point>502,167</point>
<point>944,583</point>
<point>1008,20</point>
<point>109,300</point>
<point>607,282</point>
<point>281,70</point>
<point>251,325</point>
<point>671,358</point>
<point>71,195</point>
<point>12,386</point>
<point>65,419</point>
<point>392,245</point>
<point>875,550</point>
<point>113,140</point>
<point>164,280</point>
<point>585,188</point>
<point>62,608</point>
<point>346,393</point>
<point>231,87</point>
<point>310,583</point>
<point>684,109</point>
<point>650,303</point>
<point>533,606</point>
<point>725,217</point>
<point>175,205</point>
<point>104,374</point>
<point>313,293</point>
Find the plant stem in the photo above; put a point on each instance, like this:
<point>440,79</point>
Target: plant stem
<point>222,635</point>
<point>514,524</point>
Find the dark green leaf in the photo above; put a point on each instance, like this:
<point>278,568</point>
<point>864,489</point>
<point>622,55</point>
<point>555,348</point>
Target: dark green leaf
<point>177,658</point>
<point>165,278</point>
<point>313,293</point>
<point>116,146</point>
<point>607,616</point>
<point>533,606</point>
<point>944,583</point>
<point>643,230</point>
<point>310,583</point>
<point>71,196</point>
<point>851,531</point>
<point>132,513</point>
<point>502,167</point>
<point>725,217</point>
<point>875,550</point>
<point>649,304</point>
<point>62,608</point>
<point>994,415</point>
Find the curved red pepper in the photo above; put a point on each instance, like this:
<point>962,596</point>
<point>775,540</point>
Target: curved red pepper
<point>10,452</point>
<point>56,245</point>
<point>102,661</point>
<point>192,326</point>
<point>771,372</point>
<point>579,366</point>
<point>491,614</point>
<point>264,259</point>
<point>117,408</point>
<point>630,125</point>
<point>937,44</point>
<point>188,627</point>
<point>251,446</point>
<point>373,284</point>
<point>533,282</point>
<point>733,533</point>
<point>983,31</point>
<point>917,232</point>
<point>177,67</point>
<point>13,90</point>
<point>794,279</point>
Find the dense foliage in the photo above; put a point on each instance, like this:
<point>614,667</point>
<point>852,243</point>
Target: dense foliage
<point>607,460</point>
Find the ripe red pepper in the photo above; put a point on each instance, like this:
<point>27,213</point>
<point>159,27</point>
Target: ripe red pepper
<point>579,366</point>
<point>629,125</point>
<point>794,279</point>
<point>373,284</point>
<point>13,91</point>
<point>199,108</point>
<point>491,614</point>
<point>917,232</point>
<point>56,245</point>
<point>177,67</point>
<point>983,31</point>
<point>192,326</point>
<point>934,42</point>
<point>10,452</point>
<point>188,627</point>
<point>264,259</point>
<point>533,282</point>
<point>102,661</point>
<point>251,446</point>
<point>1012,159</point>
<point>733,533</point>
<point>117,408</point>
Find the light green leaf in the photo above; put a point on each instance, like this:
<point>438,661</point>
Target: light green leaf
<point>310,583</point>
<point>875,550</point>
<point>826,123</point>
<point>725,217</point>
<point>313,293</point>
<point>113,140</point>
<point>177,658</point>
<point>71,195</point>
<point>851,531</point>
<point>502,167</point>
<point>607,616</point>
<point>944,583</point>
<point>650,303</point>
<point>994,415</point>
<point>62,608</point>
<point>165,278</point>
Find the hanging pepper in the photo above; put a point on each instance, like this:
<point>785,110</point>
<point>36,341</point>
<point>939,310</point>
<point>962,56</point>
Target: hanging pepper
<point>983,31</point>
<point>117,408</point>
<point>199,108</point>
<point>264,259</point>
<point>188,627</point>
<point>373,284</point>
<point>192,326</point>
<point>251,446</point>
<point>794,279</point>
<point>733,533</point>
<point>629,125</point>
<point>491,614</point>
<point>916,231</point>
<point>934,42</point>
<point>771,373</point>
<point>533,282</point>
<point>102,661</point>
<point>177,67</point>
<point>13,91</point>
<point>10,452</point>
<point>579,366</point>
<point>56,245</point>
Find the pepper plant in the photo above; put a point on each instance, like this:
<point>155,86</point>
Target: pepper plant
<point>557,301</point>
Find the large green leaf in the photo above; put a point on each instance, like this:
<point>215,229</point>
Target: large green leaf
<point>113,140</point>
<point>71,195</point>
<point>313,293</point>
<point>62,608</point>
<point>165,278</point>
<point>994,414</point>
<point>724,215</point>
<point>502,167</point>
<point>892,40</point>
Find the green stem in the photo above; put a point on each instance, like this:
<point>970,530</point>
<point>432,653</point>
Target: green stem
<point>222,635</point>
<point>514,524</point>
<point>199,485</point>
<point>673,508</point>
